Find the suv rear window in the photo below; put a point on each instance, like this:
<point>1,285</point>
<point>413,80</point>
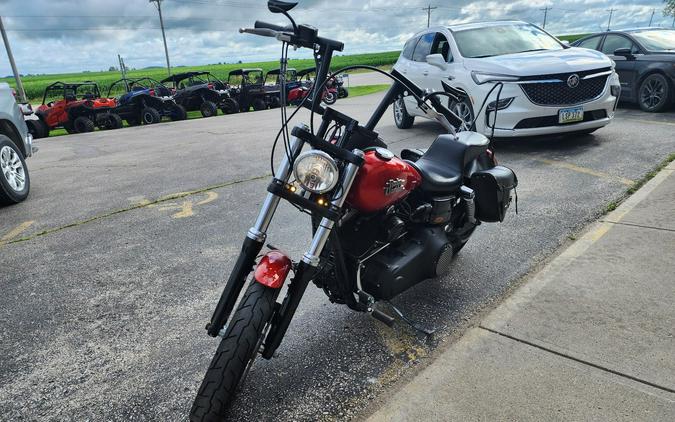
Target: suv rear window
<point>423,48</point>
<point>409,47</point>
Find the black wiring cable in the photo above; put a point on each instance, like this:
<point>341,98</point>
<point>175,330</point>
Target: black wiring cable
<point>475,119</point>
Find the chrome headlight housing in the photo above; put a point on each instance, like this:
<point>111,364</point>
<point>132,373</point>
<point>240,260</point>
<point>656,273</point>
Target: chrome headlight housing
<point>316,171</point>
<point>483,77</point>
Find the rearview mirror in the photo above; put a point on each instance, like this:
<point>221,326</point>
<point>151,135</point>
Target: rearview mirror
<point>624,52</point>
<point>437,60</point>
<point>278,6</point>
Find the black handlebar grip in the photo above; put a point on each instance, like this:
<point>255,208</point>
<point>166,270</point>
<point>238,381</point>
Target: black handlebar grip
<point>273,27</point>
<point>262,32</point>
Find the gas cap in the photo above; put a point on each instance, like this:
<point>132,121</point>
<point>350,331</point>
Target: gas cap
<point>384,154</point>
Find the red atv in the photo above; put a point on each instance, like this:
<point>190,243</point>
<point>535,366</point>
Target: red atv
<point>329,93</point>
<point>77,107</point>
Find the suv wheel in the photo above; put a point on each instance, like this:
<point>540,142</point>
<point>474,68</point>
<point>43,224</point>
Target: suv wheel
<point>401,117</point>
<point>208,109</point>
<point>14,178</point>
<point>83,124</point>
<point>464,110</point>
<point>654,93</point>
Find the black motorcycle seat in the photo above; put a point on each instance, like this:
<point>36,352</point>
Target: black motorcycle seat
<point>443,165</point>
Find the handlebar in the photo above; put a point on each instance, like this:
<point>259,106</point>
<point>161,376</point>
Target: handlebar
<point>273,27</point>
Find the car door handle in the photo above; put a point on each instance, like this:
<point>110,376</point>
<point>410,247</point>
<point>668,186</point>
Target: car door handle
<point>425,73</point>
<point>450,77</point>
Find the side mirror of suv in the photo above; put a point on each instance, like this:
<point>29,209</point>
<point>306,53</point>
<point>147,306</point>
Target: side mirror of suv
<point>437,60</point>
<point>624,52</point>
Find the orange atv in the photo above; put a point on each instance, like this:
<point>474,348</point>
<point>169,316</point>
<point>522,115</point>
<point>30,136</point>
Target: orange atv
<point>77,107</point>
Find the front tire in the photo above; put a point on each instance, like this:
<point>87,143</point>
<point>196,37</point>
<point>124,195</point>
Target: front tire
<point>178,112</point>
<point>208,109</point>
<point>401,117</point>
<point>654,93</point>
<point>14,178</point>
<point>234,353</point>
<point>83,124</point>
<point>330,98</point>
<point>149,116</point>
<point>259,104</point>
<point>230,106</point>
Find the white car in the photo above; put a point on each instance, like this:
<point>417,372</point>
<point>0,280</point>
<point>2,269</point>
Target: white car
<point>544,86</point>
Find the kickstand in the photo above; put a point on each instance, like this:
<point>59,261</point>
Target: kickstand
<point>416,326</point>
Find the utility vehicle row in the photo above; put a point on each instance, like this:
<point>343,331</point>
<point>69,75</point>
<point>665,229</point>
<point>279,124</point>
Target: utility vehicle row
<point>80,107</point>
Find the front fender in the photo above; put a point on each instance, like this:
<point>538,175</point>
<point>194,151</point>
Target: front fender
<point>273,269</point>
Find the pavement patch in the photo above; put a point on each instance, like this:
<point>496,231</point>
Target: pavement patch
<point>15,232</point>
<point>585,170</point>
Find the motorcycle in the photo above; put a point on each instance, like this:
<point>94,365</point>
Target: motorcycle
<point>329,94</point>
<point>381,223</point>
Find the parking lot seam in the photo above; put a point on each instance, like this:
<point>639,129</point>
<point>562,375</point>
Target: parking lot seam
<point>145,204</point>
<point>623,223</point>
<point>579,360</point>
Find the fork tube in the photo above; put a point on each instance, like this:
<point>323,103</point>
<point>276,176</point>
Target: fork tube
<point>311,257</point>
<point>259,230</point>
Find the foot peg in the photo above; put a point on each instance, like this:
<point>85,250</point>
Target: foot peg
<point>382,317</point>
<point>417,327</point>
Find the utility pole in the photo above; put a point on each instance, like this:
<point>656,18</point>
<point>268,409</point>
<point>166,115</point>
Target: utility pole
<point>651,18</point>
<point>161,23</point>
<point>611,12</point>
<point>123,68</point>
<point>545,9</point>
<point>429,9</point>
<point>17,77</point>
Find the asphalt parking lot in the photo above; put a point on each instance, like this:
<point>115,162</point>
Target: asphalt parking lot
<point>111,268</point>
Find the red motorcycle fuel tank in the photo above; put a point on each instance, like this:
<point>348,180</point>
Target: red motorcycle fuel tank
<point>383,180</point>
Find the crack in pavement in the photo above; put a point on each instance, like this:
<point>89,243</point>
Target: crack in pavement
<point>145,204</point>
<point>579,360</point>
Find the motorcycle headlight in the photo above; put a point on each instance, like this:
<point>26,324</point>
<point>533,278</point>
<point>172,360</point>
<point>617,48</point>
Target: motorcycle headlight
<point>316,171</point>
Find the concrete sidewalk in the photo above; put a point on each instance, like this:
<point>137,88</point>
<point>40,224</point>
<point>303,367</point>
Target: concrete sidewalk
<point>589,337</point>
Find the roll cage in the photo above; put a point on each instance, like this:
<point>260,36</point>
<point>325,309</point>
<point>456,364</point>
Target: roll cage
<point>70,91</point>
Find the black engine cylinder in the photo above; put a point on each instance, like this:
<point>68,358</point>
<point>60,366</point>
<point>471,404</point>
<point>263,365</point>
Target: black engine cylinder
<point>423,254</point>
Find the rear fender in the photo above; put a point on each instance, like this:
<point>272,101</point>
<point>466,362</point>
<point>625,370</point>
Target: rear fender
<point>273,269</point>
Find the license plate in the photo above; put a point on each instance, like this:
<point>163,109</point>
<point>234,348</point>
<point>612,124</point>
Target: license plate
<point>570,115</point>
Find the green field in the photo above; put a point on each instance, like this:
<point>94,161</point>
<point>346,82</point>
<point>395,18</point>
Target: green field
<point>571,38</point>
<point>35,85</point>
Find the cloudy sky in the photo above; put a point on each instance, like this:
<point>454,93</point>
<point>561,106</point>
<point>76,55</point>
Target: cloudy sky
<point>58,36</point>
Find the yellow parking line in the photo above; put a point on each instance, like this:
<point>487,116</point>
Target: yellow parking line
<point>15,232</point>
<point>585,170</point>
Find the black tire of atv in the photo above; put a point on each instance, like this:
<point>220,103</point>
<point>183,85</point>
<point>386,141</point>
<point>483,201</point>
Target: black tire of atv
<point>112,121</point>
<point>234,354</point>
<point>275,102</point>
<point>69,128</point>
<point>178,112</point>
<point>37,128</point>
<point>208,109</point>
<point>230,106</point>
<point>330,98</point>
<point>9,196</point>
<point>133,122</point>
<point>150,115</point>
<point>259,104</point>
<point>343,92</point>
<point>83,124</point>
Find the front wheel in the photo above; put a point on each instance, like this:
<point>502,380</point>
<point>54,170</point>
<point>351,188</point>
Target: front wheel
<point>14,179</point>
<point>208,109</point>
<point>654,93</point>
<point>330,98</point>
<point>239,347</point>
<point>401,117</point>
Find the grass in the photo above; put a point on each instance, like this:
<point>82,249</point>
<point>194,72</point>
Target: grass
<point>571,38</point>
<point>640,183</point>
<point>355,91</point>
<point>35,85</point>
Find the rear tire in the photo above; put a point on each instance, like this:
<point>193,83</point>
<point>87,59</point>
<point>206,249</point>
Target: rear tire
<point>208,109</point>
<point>14,178</point>
<point>178,112</point>
<point>230,106</point>
<point>275,102</point>
<point>234,353</point>
<point>83,124</point>
<point>110,121</point>
<point>259,104</point>
<point>401,117</point>
<point>150,115</point>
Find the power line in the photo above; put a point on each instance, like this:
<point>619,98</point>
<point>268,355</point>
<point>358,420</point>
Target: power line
<point>429,9</point>
<point>161,23</point>
<point>545,9</point>
<point>611,12</point>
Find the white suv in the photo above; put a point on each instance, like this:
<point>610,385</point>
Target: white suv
<point>544,87</point>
